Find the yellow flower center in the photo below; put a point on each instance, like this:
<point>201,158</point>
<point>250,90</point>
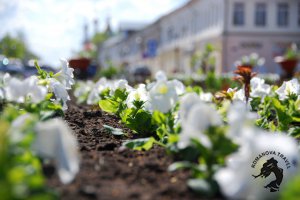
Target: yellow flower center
<point>163,89</point>
<point>137,96</point>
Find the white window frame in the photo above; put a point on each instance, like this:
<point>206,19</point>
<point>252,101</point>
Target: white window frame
<point>238,14</point>
<point>299,14</point>
<point>283,14</point>
<point>260,14</point>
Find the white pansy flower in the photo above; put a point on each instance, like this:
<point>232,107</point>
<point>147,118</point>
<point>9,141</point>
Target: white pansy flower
<point>201,117</point>
<point>163,96</point>
<point>247,174</point>
<point>94,95</point>
<point>186,103</point>
<point>55,140</point>
<point>35,92</point>
<point>83,89</point>
<point>254,56</point>
<point>259,88</point>
<point>245,59</point>
<point>65,75</point>
<point>18,91</point>
<point>261,61</point>
<point>161,76</point>
<point>18,126</point>
<point>239,118</point>
<point>195,119</point>
<point>288,88</point>
<point>207,97</point>
<point>4,78</point>
<point>189,133</point>
<point>121,84</point>
<point>14,90</point>
<point>61,94</point>
<point>139,94</point>
<point>239,95</point>
<point>2,96</point>
<point>179,86</point>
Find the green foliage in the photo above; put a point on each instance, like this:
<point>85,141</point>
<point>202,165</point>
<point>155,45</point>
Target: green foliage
<point>204,60</point>
<point>109,105</point>
<point>113,103</point>
<point>277,115</point>
<point>42,73</point>
<point>292,53</point>
<point>99,38</point>
<point>167,131</point>
<point>209,159</point>
<point>109,72</point>
<point>140,144</point>
<point>114,131</point>
<point>138,120</point>
<point>208,189</point>
<point>212,82</point>
<point>291,190</point>
<point>196,89</point>
<point>15,47</point>
<point>21,175</point>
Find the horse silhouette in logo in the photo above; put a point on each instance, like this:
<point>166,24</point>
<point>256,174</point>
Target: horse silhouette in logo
<point>268,167</point>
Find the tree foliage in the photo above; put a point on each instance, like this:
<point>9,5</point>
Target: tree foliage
<point>15,47</point>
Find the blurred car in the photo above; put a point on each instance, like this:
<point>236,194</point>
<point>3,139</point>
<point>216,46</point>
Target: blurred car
<point>12,66</point>
<point>138,74</point>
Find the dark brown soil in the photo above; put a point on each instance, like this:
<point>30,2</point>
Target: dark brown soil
<point>110,172</point>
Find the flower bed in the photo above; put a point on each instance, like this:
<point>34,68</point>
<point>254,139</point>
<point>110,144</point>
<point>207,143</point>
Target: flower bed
<point>159,140</point>
<point>108,172</point>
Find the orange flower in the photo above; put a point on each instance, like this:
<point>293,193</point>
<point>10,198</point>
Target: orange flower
<point>245,75</point>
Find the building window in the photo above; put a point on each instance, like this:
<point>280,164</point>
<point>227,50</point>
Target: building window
<point>260,14</point>
<point>282,14</point>
<point>170,33</point>
<point>239,14</point>
<point>298,14</point>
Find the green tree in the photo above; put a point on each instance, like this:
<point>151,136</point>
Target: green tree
<point>15,47</point>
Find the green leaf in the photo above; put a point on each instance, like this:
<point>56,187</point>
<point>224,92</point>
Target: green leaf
<point>294,132</point>
<point>140,144</point>
<point>105,93</point>
<point>109,105</point>
<point>45,115</point>
<point>159,117</point>
<point>173,138</point>
<point>114,131</point>
<point>283,117</point>
<point>200,186</point>
<point>120,95</point>
<point>180,165</point>
<point>140,122</point>
<point>255,102</point>
<point>291,189</point>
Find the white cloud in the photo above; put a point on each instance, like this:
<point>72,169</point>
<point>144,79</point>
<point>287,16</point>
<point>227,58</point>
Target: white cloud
<point>54,28</point>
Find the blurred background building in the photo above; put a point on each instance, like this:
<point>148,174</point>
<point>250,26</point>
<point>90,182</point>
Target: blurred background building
<point>234,27</point>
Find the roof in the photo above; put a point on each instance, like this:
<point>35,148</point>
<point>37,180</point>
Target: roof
<point>132,26</point>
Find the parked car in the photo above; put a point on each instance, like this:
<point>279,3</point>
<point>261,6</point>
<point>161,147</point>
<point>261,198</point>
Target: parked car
<point>138,74</point>
<point>12,66</point>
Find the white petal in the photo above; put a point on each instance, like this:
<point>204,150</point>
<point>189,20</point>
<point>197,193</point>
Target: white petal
<point>55,140</point>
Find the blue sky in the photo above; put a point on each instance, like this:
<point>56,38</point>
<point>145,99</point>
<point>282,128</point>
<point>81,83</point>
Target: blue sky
<point>53,28</point>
